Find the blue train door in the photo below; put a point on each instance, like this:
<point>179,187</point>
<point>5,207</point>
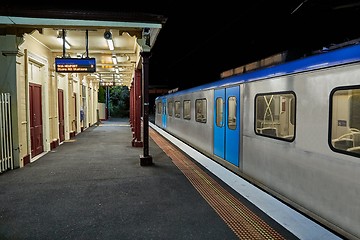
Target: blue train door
<point>227,124</point>
<point>163,116</point>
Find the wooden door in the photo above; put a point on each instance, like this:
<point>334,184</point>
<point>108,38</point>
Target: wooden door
<point>61,115</point>
<point>36,132</point>
<point>75,115</point>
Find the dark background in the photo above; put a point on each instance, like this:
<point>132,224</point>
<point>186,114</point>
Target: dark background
<point>198,43</point>
<point>200,40</point>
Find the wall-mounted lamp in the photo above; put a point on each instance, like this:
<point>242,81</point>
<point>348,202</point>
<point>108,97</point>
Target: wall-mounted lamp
<point>61,40</point>
<point>109,40</point>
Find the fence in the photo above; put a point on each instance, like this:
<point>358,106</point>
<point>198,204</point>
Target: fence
<point>6,161</point>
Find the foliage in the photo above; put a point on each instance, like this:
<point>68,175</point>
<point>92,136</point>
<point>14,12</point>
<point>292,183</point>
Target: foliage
<point>102,94</point>
<point>119,101</point>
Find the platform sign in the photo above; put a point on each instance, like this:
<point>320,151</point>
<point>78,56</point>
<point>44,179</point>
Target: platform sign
<point>75,65</point>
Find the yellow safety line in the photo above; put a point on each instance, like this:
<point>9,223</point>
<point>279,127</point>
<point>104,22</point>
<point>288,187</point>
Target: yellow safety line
<point>241,220</point>
<point>114,125</point>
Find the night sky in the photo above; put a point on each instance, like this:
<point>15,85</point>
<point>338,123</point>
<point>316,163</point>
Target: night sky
<point>198,43</point>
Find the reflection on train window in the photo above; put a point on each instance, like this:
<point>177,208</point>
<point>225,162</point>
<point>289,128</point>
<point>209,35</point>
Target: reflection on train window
<point>219,112</point>
<point>186,109</point>
<point>275,115</point>
<point>170,108</point>
<point>177,109</point>
<point>200,110</point>
<point>232,113</point>
<point>159,108</point>
<point>345,120</point>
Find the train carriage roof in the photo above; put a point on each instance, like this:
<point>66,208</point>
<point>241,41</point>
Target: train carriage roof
<point>345,55</point>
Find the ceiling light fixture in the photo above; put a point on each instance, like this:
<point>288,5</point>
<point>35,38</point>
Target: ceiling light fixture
<point>114,59</point>
<point>124,58</point>
<point>110,44</point>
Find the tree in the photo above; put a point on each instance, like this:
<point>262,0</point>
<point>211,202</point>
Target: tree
<point>119,101</point>
<point>102,94</point>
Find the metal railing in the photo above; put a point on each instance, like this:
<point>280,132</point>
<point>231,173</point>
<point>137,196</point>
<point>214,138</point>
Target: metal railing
<point>6,156</point>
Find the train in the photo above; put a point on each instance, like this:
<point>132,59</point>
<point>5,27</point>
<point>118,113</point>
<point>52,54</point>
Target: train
<point>290,128</point>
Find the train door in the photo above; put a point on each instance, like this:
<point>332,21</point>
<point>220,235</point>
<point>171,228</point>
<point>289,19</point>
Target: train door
<point>163,116</point>
<point>227,124</point>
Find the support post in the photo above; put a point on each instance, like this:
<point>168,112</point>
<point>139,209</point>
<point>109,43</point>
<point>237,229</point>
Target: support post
<point>131,115</point>
<point>145,159</point>
<point>137,107</point>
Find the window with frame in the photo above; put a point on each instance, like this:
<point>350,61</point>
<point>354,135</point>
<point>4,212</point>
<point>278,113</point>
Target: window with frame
<point>159,108</point>
<point>219,112</point>
<point>231,113</point>
<point>275,115</point>
<point>177,109</point>
<point>170,108</point>
<point>187,110</point>
<point>200,110</point>
<point>345,120</point>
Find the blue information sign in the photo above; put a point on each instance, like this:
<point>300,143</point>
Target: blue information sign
<point>75,65</point>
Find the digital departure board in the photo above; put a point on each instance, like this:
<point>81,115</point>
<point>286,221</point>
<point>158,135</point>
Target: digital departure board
<point>75,65</point>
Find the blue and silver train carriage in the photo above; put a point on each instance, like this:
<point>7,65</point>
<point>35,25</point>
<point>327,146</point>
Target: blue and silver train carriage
<point>292,129</point>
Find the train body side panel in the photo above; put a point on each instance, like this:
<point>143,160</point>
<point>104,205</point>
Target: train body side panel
<point>306,171</point>
<point>198,134</point>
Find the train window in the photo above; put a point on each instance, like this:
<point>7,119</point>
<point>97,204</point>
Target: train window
<point>159,108</point>
<point>275,115</point>
<point>200,110</point>
<point>177,109</point>
<point>186,110</point>
<point>170,108</point>
<point>232,113</point>
<point>219,112</point>
<point>345,120</point>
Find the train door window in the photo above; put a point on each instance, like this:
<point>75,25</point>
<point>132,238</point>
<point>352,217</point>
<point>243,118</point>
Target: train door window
<point>170,108</point>
<point>186,110</point>
<point>232,113</point>
<point>159,108</point>
<point>345,120</point>
<point>275,115</point>
<point>200,110</point>
<point>177,109</point>
<point>219,112</point>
